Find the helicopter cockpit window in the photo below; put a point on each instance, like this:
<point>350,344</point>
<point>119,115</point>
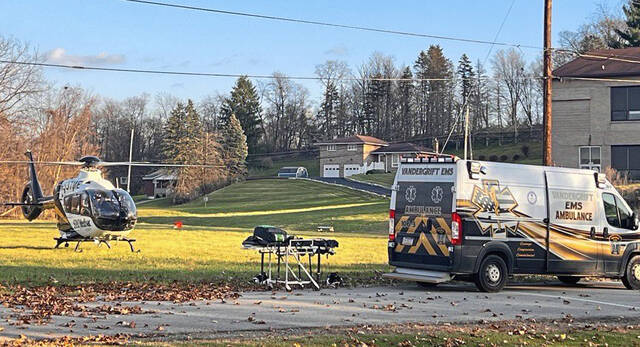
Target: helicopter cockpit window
<point>75,204</point>
<point>67,203</point>
<point>85,208</point>
<point>126,202</point>
<point>104,204</point>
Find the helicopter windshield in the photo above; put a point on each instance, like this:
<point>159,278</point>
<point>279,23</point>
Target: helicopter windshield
<point>112,209</point>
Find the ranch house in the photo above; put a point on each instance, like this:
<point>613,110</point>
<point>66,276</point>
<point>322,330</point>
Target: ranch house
<point>346,156</point>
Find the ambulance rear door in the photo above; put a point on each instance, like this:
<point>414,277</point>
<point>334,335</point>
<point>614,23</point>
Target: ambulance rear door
<point>424,202</point>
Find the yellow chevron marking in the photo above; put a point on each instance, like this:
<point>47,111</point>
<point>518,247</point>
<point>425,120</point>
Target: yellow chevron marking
<point>423,241</point>
<point>416,224</point>
<point>398,228</point>
<point>447,232</point>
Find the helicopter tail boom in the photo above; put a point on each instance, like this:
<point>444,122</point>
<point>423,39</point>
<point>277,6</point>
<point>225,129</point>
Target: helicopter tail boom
<point>32,201</point>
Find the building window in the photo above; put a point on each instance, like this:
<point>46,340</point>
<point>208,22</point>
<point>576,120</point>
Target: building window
<point>395,158</point>
<point>626,159</point>
<point>625,103</point>
<point>352,147</point>
<point>589,158</point>
<point>331,148</point>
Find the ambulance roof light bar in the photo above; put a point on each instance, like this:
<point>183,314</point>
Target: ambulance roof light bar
<point>601,180</point>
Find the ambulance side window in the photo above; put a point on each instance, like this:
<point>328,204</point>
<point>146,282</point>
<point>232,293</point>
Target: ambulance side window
<point>610,210</point>
<point>625,214</point>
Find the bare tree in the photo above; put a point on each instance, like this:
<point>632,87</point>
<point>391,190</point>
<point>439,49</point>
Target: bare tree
<point>17,81</point>
<point>509,72</point>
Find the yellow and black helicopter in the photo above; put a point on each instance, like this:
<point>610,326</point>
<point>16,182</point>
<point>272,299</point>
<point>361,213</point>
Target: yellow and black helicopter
<point>88,207</point>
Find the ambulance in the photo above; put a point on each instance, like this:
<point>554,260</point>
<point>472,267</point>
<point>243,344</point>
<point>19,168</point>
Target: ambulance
<point>485,221</point>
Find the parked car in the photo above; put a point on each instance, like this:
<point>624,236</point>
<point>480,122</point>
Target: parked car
<point>293,171</point>
<point>486,221</point>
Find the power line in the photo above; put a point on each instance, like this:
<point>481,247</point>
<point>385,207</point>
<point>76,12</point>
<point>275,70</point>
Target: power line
<point>466,99</point>
<point>334,25</point>
<point>213,74</point>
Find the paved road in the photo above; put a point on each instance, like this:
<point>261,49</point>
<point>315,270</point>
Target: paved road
<point>357,185</point>
<point>255,311</point>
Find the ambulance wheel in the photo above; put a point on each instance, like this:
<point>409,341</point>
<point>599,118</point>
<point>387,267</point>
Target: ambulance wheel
<point>492,275</point>
<point>631,278</point>
<point>569,279</point>
<point>426,284</point>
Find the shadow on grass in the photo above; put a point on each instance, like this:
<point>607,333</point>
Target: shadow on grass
<point>36,248</point>
<point>240,274</point>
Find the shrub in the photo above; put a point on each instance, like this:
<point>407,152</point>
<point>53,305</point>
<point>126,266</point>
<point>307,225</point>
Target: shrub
<point>493,157</point>
<point>482,157</point>
<point>525,150</point>
<point>516,157</point>
<point>504,157</point>
<point>615,177</point>
<point>266,163</point>
<point>374,172</point>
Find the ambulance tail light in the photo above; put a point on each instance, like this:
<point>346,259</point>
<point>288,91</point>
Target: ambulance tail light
<point>392,231</point>
<point>456,229</point>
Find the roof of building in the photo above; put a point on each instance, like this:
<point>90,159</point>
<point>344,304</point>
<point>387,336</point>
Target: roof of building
<point>405,147</point>
<point>598,63</point>
<point>359,139</point>
<point>162,174</point>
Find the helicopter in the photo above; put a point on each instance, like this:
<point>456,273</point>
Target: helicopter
<point>88,207</point>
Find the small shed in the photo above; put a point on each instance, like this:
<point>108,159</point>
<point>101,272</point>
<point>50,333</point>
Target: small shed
<point>159,184</point>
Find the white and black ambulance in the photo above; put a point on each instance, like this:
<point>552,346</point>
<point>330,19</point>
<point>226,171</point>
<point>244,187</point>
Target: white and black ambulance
<point>486,221</point>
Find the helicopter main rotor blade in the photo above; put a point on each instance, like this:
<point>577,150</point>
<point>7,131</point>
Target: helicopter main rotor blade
<point>71,163</point>
<point>107,164</point>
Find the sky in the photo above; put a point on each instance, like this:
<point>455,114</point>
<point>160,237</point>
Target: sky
<point>117,33</point>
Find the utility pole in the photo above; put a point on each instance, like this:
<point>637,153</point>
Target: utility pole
<point>466,132</point>
<point>130,160</point>
<point>546,149</point>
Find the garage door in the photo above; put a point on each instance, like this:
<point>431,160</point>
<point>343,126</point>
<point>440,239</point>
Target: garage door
<point>351,170</point>
<point>331,171</point>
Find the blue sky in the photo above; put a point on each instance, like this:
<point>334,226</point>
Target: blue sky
<point>116,33</point>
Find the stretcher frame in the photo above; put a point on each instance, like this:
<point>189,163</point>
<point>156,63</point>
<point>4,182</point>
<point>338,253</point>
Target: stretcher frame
<point>287,256</point>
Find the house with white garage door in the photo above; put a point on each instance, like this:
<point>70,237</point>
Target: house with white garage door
<point>346,156</point>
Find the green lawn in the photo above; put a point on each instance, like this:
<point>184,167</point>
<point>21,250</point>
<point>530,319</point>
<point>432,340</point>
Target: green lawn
<point>447,335</point>
<point>299,205</point>
<point>209,246</point>
<point>312,165</point>
<point>383,179</point>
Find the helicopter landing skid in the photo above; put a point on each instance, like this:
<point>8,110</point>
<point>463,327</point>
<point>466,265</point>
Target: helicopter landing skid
<point>66,242</point>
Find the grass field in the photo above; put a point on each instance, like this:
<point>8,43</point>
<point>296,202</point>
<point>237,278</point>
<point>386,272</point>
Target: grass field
<point>446,337</point>
<point>312,164</point>
<point>209,246</point>
<point>383,179</point>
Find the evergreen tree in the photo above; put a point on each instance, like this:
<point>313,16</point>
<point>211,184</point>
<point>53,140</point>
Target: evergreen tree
<point>327,115</point>
<point>245,105</point>
<point>405,114</point>
<point>183,145</point>
<point>174,131</point>
<point>234,146</point>
<point>630,36</point>
<point>466,74</point>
